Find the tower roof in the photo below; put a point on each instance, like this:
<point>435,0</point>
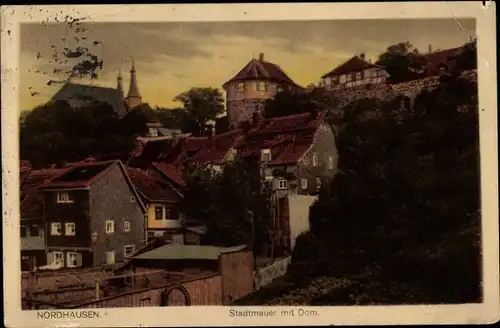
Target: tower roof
<point>133,91</point>
<point>259,69</point>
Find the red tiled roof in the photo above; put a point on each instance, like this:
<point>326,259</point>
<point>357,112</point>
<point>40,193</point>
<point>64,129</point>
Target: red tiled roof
<point>216,149</point>
<point>153,186</point>
<point>25,164</point>
<point>31,190</point>
<point>81,175</point>
<point>354,64</point>
<point>261,70</point>
<point>172,172</point>
<point>288,137</point>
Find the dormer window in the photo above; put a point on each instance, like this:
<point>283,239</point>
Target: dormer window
<point>265,155</point>
<point>261,86</point>
<point>240,87</point>
<point>65,197</point>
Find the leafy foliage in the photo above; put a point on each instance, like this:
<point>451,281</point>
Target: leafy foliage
<point>56,131</point>
<point>406,197</point>
<point>231,203</point>
<point>200,105</point>
<point>402,61</point>
<point>289,102</point>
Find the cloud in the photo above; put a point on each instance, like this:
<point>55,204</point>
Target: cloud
<point>173,57</point>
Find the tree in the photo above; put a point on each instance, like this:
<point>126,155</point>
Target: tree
<point>402,61</point>
<point>170,118</point>
<point>467,59</point>
<point>406,196</point>
<point>231,203</point>
<point>56,131</point>
<point>290,102</point>
<point>200,105</point>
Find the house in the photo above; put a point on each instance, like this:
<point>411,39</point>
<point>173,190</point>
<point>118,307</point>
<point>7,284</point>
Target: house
<point>440,61</point>
<point>247,91</point>
<point>162,199</point>
<point>356,71</point>
<point>93,216</point>
<point>32,226</point>
<point>296,153</point>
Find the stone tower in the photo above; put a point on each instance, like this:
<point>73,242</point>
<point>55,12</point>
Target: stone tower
<point>248,90</point>
<point>134,98</point>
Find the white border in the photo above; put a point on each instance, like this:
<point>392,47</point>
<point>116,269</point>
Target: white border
<point>219,316</point>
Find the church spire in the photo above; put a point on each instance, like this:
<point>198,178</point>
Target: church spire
<point>119,81</point>
<point>133,97</point>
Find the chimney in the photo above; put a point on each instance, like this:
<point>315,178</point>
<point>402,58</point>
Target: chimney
<point>256,119</point>
<point>261,57</point>
<point>430,48</point>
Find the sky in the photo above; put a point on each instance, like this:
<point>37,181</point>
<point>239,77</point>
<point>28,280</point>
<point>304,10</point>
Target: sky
<point>172,57</point>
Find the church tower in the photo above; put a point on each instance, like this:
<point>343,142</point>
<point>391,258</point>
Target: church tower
<point>119,83</point>
<point>134,98</point>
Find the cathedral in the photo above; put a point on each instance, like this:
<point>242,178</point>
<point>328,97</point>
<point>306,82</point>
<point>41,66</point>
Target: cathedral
<point>78,95</point>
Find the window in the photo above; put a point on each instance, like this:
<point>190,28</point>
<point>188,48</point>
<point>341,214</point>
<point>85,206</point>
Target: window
<point>23,231</point>
<point>303,183</point>
<point>330,162</point>
<point>262,86</point>
<point>132,199</point>
<point>328,81</point>
<point>279,88</point>
<point>358,76</point>
<point>70,229</point>
<point>318,183</point>
<point>342,79</point>
<point>282,184</point>
<point>153,132</point>
<point>72,260</point>
<point>158,212</point>
<point>110,257</point>
<point>110,226</point>
<point>34,230</point>
<point>126,226</point>
<point>305,160</point>
<point>167,214</point>
<point>349,77</point>
<point>58,258</point>
<point>265,155</point>
<point>315,159</point>
<point>374,74</point>
<point>129,250</point>
<point>55,229</point>
<point>65,197</point>
<point>240,87</point>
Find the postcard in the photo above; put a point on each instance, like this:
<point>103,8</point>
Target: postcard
<point>249,164</point>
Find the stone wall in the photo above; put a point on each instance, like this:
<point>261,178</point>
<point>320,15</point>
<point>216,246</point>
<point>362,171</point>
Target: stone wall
<point>242,110</point>
<point>264,276</point>
<point>389,92</point>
